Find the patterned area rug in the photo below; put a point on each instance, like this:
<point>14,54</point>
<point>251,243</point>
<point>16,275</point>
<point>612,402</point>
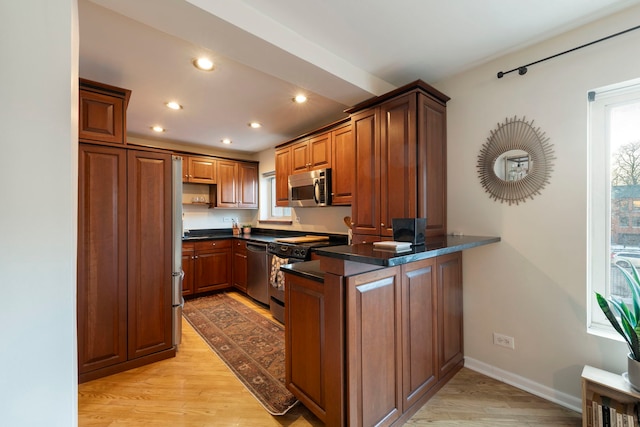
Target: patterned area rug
<point>251,345</point>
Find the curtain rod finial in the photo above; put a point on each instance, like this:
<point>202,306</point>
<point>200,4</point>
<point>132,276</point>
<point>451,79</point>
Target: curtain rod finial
<point>500,74</point>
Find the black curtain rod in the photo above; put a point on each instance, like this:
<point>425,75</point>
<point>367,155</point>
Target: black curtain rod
<point>523,68</point>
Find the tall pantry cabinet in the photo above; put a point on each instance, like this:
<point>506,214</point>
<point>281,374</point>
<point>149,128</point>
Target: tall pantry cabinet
<point>124,250</point>
<point>400,161</point>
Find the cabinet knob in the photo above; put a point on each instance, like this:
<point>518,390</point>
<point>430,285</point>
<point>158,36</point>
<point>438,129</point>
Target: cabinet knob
<point>195,257</point>
<point>213,244</point>
<point>382,224</point>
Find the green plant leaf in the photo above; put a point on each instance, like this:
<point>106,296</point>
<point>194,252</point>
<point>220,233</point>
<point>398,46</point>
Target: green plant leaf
<point>604,305</point>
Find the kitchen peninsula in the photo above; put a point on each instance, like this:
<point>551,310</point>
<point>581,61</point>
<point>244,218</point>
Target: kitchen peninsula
<point>372,335</point>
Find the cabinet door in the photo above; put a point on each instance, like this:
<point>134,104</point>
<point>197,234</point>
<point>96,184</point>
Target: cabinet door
<point>101,118</point>
<point>419,330</point>
<point>202,170</point>
<point>227,184</point>
<point>398,147</point>
<point>149,253</point>
<point>305,342</point>
<point>432,164</point>
<point>374,348</point>
<point>102,257</point>
<point>450,333</point>
<point>342,166</point>
<point>240,265</point>
<point>283,170</point>
<point>188,261</point>
<point>300,157</point>
<point>213,266</point>
<point>320,151</point>
<point>365,209</point>
<point>247,185</point>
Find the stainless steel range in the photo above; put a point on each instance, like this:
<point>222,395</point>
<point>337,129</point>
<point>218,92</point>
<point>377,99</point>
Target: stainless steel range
<point>289,251</point>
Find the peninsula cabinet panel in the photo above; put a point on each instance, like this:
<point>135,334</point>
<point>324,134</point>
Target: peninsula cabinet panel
<point>419,329</point>
<point>450,333</point>
<point>305,342</point>
<point>342,166</point>
<point>283,170</point>
<point>374,344</point>
<point>102,257</point>
<point>149,251</point>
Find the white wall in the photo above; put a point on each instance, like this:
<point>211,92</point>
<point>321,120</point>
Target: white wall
<point>38,185</point>
<point>532,285</point>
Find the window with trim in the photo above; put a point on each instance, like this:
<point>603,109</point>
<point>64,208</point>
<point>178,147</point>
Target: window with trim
<point>614,195</point>
<point>273,212</point>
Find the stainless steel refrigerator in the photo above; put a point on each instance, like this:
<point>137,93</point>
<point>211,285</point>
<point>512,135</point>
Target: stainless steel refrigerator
<point>176,262</point>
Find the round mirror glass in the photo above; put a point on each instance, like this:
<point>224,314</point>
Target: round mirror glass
<point>512,165</point>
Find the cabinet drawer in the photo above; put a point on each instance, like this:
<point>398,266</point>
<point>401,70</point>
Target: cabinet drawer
<point>212,244</point>
<point>239,246</point>
<point>188,246</point>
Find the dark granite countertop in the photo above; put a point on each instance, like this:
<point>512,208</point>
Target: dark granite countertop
<point>260,235</point>
<point>434,246</point>
<point>309,269</point>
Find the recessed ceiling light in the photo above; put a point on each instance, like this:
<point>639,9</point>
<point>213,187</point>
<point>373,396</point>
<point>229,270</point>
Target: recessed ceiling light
<point>300,99</point>
<point>158,128</point>
<point>226,141</point>
<point>174,105</point>
<point>204,64</point>
<point>255,125</point>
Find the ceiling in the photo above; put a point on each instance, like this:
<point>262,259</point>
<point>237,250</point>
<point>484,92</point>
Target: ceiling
<point>337,52</point>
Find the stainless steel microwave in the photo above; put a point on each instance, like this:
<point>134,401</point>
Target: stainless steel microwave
<point>310,188</point>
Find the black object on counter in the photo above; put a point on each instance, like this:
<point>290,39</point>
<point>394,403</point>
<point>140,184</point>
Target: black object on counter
<point>409,230</point>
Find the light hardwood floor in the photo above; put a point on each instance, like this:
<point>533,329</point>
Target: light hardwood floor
<point>197,389</point>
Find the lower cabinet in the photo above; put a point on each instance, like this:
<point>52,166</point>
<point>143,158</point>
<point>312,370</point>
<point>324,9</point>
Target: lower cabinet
<point>212,267</point>
<point>370,348</point>
<point>124,313</point>
<point>188,267</point>
<point>240,265</point>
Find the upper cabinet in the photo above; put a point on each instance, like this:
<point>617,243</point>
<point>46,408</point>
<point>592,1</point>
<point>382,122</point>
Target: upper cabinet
<point>200,170</point>
<point>237,184</point>
<point>330,147</point>
<point>102,111</point>
<point>400,160</point>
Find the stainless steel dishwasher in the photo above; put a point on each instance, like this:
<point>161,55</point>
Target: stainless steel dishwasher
<point>257,272</point>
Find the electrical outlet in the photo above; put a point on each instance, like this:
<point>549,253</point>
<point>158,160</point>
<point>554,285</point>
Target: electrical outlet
<point>504,340</point>
<point>297,219</point>
<point>227,219</point>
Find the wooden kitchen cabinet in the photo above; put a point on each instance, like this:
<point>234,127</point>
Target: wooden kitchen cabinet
<point>240,265</point>
<point>370,345</point>
<point>328,147</point>
<point>400,160</point>
<point>283,170</point>
<point>199,170</point>
<point>124,259</point>
<point>188,267</point>
<point>213,265</point>
<point>102,111</point>
<point>342,166</point>
<point>237,185</point>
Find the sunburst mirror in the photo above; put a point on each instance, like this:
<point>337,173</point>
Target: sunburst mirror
<point>516,161</point>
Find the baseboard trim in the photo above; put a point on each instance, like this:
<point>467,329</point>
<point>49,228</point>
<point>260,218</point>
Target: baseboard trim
<point>555,396</point>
